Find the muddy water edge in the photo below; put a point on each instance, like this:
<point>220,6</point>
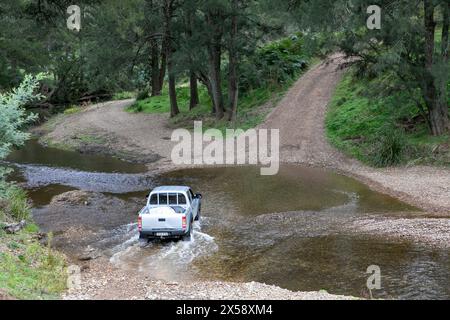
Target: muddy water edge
<point>289,230</point>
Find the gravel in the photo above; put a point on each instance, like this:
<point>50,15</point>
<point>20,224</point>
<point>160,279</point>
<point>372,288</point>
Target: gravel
<point>102,281</point>
<point>432,231</point>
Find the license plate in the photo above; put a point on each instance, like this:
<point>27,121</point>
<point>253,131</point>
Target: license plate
<point>162,234</point>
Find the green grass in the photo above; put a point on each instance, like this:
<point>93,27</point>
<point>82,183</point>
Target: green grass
<point>28,270</point>
<point>373,131</point>
<point>73,110</point>
<point>13,203</point>
<point>90,139</point>
<point>161,104</point>
<point>124,95</point>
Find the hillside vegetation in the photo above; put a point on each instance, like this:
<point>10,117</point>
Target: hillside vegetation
<point>382,130</point>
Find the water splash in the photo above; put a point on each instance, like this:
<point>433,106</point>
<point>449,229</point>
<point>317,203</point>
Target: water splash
<point>168,260</point>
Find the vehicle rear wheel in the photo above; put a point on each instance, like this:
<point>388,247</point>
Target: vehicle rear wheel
<point>197,218</point>
<point>143,241</point>
<point>187,237</point>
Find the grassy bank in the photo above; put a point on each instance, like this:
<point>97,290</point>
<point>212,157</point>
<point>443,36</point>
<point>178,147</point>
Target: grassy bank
<point>382,130</point>
<point>28,269</point>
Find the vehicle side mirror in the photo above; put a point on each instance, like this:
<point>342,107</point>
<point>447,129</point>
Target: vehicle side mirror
<point>148,196</point>
<point>198,196</point>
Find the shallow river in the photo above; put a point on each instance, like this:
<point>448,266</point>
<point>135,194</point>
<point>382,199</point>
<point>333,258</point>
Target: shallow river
<point>290,230</point>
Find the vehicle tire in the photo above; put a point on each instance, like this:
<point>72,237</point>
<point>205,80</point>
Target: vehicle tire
<point>187,237</point>
<point>143,241</point>
<point>197,218</point>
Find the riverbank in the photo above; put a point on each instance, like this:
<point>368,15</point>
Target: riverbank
<point>101,280</point>
<point>29,267</point>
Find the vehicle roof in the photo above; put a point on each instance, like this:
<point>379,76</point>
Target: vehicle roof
<point>171,189</point>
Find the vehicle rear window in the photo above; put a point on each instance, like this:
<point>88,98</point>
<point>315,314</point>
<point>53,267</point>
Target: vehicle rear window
<point>154,199</point>
<point>181,199</point>
<point>173,199</point>
<point>163,199</point>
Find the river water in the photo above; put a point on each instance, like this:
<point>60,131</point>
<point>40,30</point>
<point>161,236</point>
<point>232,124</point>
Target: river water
<point>289,230</point>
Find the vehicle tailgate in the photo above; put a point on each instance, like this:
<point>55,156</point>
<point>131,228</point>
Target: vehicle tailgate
<point>164,218</point>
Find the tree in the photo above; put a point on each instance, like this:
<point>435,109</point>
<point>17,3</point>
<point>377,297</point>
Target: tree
<point>434,82</point>
<point>13,114</point>
<point>156,46</point>
<point>405,47</point>
<point>215,20</point>
<point>233,87</point>
<point>169,8</point>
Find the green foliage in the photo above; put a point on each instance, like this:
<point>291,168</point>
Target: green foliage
<point>142,95</point>
<point>72,110</point>
<point>161,104</point>
<point>13,203</point>
<point>389,145</point>
<point>399,48</point>
<point>20,54</point>
<point>381,130</point>
<point>124,95</point>
<point>13,114</point>
<point>273,65</point>
<point>27,269</point>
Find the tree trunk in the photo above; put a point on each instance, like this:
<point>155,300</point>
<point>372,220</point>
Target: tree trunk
<point>173,94</point>
<point>233,61</point>
<point>162,70</point>
<point>215,54</point>
<point>168,11</point>
<point>435,99</point>
<point>443,94</point>
<point>204,79</point>
<point>216,84</point>
<point>194,99</point>
<point>194,91</point>
<point>155,82</point>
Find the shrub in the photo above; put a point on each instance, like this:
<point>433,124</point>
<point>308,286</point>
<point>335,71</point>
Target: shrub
<point>389,146</point>
<point>273,65</point>
<point>32,271</point>
<point>124,95</point>
<point>142,95</point>
<point>72,110</point>
<point>13,114</point>
<point>13,203</point>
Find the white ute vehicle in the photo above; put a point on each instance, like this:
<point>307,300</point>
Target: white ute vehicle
<point>170,213</point>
